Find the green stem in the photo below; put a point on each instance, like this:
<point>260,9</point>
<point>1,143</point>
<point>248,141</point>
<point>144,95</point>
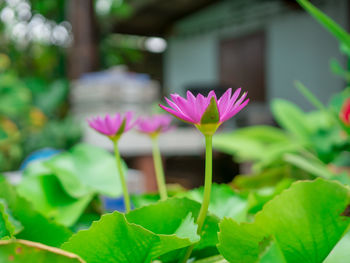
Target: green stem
<point>207,183</point>
<point>157,159</point>
<point>122,178</point>
<point>207,189</point>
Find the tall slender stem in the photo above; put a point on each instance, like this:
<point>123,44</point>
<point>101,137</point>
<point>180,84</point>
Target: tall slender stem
<point>207,189</point>
<point>207,183</point>
<point>122,178</point>
<point>157,159</point>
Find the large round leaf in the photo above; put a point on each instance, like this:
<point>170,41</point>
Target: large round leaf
<point>143,234</point>
<point>35,226</point>
<point>224,202</point>
<point>49,198</point>
<point>305,222</point>
<point>86,169</point>
<point>20,251</point>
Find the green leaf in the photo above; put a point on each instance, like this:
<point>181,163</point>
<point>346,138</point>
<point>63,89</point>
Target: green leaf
<point>241,243</point>
<point>327,22</point>
<point>340,251</point>
<point>207,245</point>
<point>209,237</point>
<point>52,97</point>
<point>211,114</point>
<point>268,177</point>
<point>244,149</point>
<point>35,226</point>
<point>259,197</point>
<point>309,96</point>
<point>272,254</point>
<point>155,216</point>
<point>141,200</point>
<point>86,220</point>
<point>213,259</point>
<point>48,197</point>
<point>274,155</point>
<point>305,221</point>
<point>113,239</point>
<point>251,143</point>
<point>264,134</point>
<point>338,99</point>
<point>224,202</point>
<point>291,118</point>
<point>6,228</point>
<point>343,178</point>
<point>36,169</point>
<point>165,227</point>
<point>8,225</point>
<point>86,169</point>
<point>15,98</point>
<point>20,251</point>
<point>263,145</point>
<point>312,166</point>
<point>337,69</point>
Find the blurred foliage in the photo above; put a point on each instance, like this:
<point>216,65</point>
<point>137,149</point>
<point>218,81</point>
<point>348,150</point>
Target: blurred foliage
<point>46,59</point>
<point>30,58</point>
<point>33,57</point>
<point>115,51</point>
<point>33,85</point>
<point>110,11</point>
<point>54,10</point>
<point>31,220</point>
<point>31,118</point>
<point>63,186</point>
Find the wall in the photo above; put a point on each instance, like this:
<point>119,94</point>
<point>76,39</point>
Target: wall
<point>297,47</point>
<point>190,60</point>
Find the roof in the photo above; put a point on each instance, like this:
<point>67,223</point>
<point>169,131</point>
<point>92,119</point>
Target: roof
<point>156,17</point>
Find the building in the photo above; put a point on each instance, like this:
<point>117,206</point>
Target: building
<point>261,45</point>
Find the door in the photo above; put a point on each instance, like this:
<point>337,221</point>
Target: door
<point>242,64</point>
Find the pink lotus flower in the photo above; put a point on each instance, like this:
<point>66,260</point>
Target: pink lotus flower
<point>154,125</point>
<point>112,126</point>
<point>202,110</point>
<point>344,114</point>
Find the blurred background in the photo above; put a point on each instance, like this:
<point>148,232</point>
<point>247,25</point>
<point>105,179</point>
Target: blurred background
<point>64,61</point>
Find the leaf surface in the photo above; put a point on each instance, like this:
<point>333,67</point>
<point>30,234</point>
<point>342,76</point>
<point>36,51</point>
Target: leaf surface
<point>8,225</point>
<point>35,226</point>
<point>224,202</point>
<point>291,118</point>
<point>49,198</point>
<point>86,169</point>
<point>305,221</point>
<point>20,251</point>
<point>141,235</point>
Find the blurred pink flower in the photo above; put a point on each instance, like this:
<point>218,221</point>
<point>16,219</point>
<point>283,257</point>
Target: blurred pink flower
<point>344,113</point>
<point>112,126</point>
<point>193,108</point>
<point>155,124</point>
